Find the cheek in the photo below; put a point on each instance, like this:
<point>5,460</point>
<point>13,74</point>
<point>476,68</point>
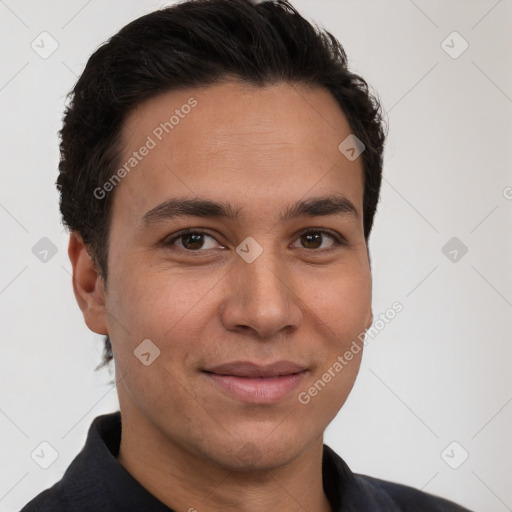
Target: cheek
<point>342,303</point>
<point>172,313</point>
<point>343,310</point>
<point>154,303</point>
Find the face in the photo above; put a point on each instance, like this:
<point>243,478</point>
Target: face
<point>254,281</point>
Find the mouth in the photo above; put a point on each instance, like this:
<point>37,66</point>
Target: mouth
<point>252,383</point>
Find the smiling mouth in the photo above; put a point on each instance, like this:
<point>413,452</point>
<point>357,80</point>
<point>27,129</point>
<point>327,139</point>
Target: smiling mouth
<point>251,383</point>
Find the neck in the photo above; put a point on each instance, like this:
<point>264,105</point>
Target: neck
<point>187,481</point>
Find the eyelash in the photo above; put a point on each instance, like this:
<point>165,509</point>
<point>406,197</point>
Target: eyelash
<point>338,239</point>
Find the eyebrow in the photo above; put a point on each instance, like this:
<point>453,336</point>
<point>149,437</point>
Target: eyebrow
<point>334,204</point>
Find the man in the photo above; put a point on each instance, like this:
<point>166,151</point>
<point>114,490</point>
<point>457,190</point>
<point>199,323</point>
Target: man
<point>220,172</point>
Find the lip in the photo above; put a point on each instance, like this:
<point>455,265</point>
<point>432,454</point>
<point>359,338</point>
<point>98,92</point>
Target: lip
<point>252,383</point>
<point>250,369</point>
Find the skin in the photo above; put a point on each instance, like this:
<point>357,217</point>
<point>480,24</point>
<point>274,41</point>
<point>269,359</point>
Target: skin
<point>185,440</point>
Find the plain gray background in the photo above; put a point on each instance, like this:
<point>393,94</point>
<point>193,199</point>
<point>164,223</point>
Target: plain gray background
<point>435,385</point>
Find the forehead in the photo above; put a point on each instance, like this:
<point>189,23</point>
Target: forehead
<point>252,145</point>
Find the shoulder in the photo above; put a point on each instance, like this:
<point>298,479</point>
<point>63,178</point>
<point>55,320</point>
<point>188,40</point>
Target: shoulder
<point>405,498</point>
<point>355,492</point>
<point>49,500</point>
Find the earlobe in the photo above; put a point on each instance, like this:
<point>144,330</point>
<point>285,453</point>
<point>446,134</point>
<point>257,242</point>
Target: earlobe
<point>88,285</point>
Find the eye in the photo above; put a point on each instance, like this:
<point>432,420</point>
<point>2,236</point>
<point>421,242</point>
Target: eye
<point>192,240</point>
<point>313,239</point>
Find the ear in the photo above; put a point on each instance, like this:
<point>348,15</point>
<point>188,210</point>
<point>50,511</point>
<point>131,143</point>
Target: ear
<point>88,285</point>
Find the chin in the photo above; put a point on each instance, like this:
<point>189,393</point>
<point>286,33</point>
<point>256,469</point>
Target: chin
<point>258,453</point>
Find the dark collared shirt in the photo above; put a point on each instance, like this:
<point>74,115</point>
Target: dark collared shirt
<point>96,481</point>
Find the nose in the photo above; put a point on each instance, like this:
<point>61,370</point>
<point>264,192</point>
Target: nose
<point>261,297</point>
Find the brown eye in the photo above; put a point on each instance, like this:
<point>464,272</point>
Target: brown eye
<point>193,241</point>
<point>312,240</point>
<point>315,239</point>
